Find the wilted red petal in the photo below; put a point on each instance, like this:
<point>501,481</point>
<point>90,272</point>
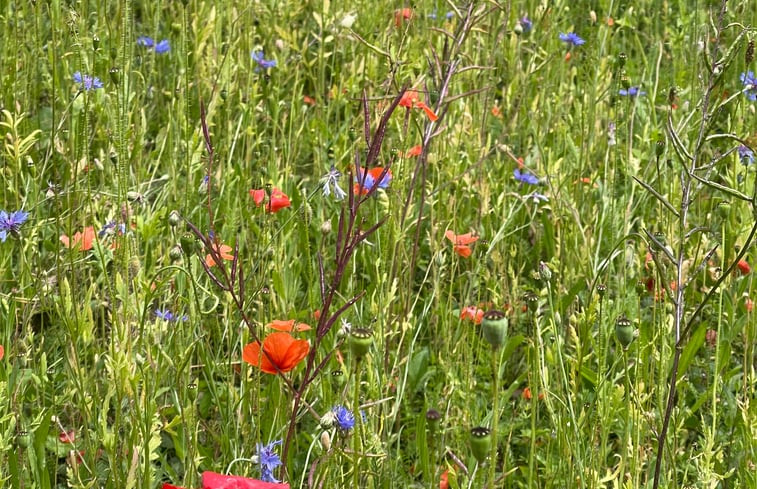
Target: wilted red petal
<point>414,151</point>
<point>444,481</point>
<point>402,14</point>
<point>473,313</point>
<point>166,485</point>
<point>67,436</point>
<point>211,480</point>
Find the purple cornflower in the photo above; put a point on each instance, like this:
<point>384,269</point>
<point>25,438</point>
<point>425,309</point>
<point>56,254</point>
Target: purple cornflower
<point>262,63</point>
<point>631,92</point>
<point>268,460</point>
<point>750,85</point>
<point>345,420</point>
<point>746,155</point>
<point>87,82</point>
<point>11,223</point>
<point>526,23</point>
<point>571,38</point>
<point>525,177</point>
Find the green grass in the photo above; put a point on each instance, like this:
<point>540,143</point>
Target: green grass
<point>644,194</point>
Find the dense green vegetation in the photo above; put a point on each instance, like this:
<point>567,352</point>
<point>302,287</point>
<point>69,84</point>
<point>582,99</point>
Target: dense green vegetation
<point>489,236</point>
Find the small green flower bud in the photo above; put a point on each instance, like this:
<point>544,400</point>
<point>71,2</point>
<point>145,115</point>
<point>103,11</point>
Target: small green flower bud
<point>494,327</point>
<point>115,75</point>
<point>724,209</point>
<point>174,218</point>
<point>360,341</point>
<point>601,290</point>
<point>480,442</point>
<point>544,272</point>
<point>624,331</point>
<point>175,254</point>
<point>518,29</point>
<point>224,94</point>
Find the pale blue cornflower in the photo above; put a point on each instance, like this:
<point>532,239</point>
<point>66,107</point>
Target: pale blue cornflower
<point>262,63</point>
<point>525,177</point>
<point>11,223</point>
<point>526,24</point>
<point>268,460</point>
<point>331,179</point>
<point>750,85</point>
<point>746,155</point>
<point>631,92</point>
<point>572,39</point>
<point>87,82</point>
<point>161,47</point>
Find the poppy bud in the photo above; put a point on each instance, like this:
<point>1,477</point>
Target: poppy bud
<point>174,218</point>
<point>724,209</point>
<point>326,441</point>
<point>659,147</point>
<point>518,29</point>
<point>115,75</point>
<point>95,42</point>
<point>224,94</point>
<point>480,442</point>
<point>494,327</point>
<point>360,341</point>
<point>624,331</point>
<point>601,290</point>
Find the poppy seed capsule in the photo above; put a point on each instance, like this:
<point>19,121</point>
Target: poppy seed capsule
<point>659,147</point>
<point>622,60</point>
<point>432,418</point>
<point>601,290</point>
<point>480,442</point>
<point>360,341</point>
<point>115,75</point>
<point>338,379</point>
<point>724,209</point>
<point>624,331</point>
<point>95,42</point>
<point>532,301</point>
<point>494,327</point>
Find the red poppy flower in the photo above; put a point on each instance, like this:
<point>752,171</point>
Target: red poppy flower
<point>461,242</point>
<point>283,351</point>
<point>211,480</point>
<point>373,175</point>
<point>411,100</point>
<point>279,200</point>
<point>414,151</point>
<point>82,241</point>
<point>401,15</point>
<point>444,481</point>
<point>317,314</point>
<point>222,250</point>
<point>744,267</point>
<point>67,436</point>
<point>473,313</point>
<point>2,352</point>
<point>308,100</point>
<point>281,325</point>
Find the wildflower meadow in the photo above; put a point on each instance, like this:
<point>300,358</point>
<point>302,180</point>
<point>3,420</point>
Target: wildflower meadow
<point>431,244</point>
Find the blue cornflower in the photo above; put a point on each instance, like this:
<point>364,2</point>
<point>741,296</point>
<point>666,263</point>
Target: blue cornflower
<point>331,179</point>
<point>87,82</point>
<point>571,38</point>
<point>525,177</point>
<point>268,460</point>
<point>145,41</point>
<point>449,15</point>
<point>750,85</point>
<point>165,315</point>
<point>345,420</point>
<point>746,155</point>
<point>526,23</point>
<point>262,63</point>
<point>11,223</point>
<point>163,46</point>
<point>632,92</point>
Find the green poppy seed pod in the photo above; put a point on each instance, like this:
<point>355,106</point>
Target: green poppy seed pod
<point>659,147</point>
<point>494,327</point>
<point>192,391</point>
<point>532,301</point>
<point>338,379</point>
<point>624,331</point>
<point>660,237</point>
<point>360,341</point>
<point>518,29</point>
<point>224,94</point>
<point>175,253</point>
<point>480,442</point>
<point>174,218</point>
<point>724,209</point>
<point>624,80</point>
<point>95,42</point>
<point>115,75</point>
<point>188,243</point>
<point>601,290</point>
<point>432,418</point>
<point>622,60</point>
<point>23,439</point>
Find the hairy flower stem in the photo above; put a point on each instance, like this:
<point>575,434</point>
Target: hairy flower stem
<point>495,416</point>
<point>356,432</point>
